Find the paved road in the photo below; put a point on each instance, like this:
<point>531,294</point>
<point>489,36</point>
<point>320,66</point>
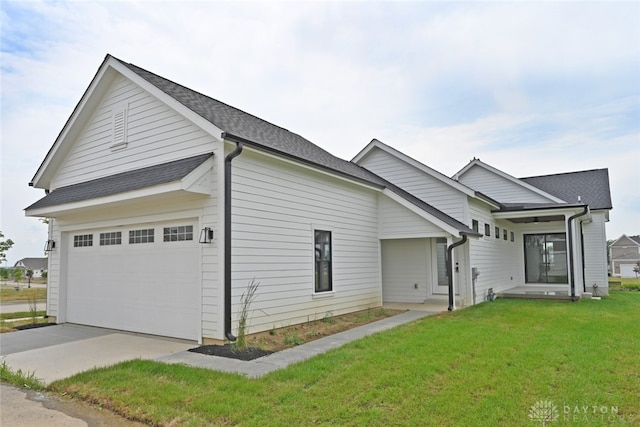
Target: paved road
<point>32,409</point>
<point>18,306</point>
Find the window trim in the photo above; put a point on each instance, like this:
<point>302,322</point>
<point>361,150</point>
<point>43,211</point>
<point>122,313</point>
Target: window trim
<point>317,262</point>
<point>497,232</point>
<point>142,239</point>
<point>187,235</point>
<point>83,240</point>
<point>487,230</point>
<point>475,225</point>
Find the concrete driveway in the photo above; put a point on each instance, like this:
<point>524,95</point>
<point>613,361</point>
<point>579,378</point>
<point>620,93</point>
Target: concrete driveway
<point>60,351</point>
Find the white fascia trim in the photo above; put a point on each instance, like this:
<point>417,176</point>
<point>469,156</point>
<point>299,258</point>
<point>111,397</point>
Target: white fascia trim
<point>416,164</point>
<point>537,212</point>
<point>189,114</point>
<point>425,215</point>
<point>306,166</point>
<point>513,179</point>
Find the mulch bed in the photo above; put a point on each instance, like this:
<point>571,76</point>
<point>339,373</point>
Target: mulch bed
<point>33,326</point>
<point>231,352</point>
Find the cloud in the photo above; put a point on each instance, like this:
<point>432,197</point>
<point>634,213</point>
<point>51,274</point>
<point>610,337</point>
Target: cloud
<point>530,87</point>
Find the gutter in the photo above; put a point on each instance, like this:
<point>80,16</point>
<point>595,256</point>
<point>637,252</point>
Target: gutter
<point>571,262</point>
<point>450,267</point>
<point>227,239</point>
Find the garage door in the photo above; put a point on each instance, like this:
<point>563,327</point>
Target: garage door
<point>626,270</point>
<point>142,278</point>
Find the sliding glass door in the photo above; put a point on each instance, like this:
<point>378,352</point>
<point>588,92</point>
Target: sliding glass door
<point>545,258</point>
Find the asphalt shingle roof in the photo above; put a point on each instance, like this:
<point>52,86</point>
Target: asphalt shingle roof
<point>34,263</point>
<point>275,138</point>
<point>122,182</point>
<point>592,186</point>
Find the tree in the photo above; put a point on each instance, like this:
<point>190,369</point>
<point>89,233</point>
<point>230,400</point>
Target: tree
<point>17,274</point>
<point>29,275</point>
<point>5,245</point>
<point>4,273</point>
<point>636,268</point>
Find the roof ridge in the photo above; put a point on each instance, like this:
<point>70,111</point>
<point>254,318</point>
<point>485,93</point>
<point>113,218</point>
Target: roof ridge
<point>564,173</point>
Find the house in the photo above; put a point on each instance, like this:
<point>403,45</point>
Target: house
<point>624,254</point>
<point>37,265</point>
<point>171,202</point>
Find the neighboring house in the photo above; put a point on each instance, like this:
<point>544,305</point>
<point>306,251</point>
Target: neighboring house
<point>171,202</point>
<point>624,254</point>
<point>38,265</point>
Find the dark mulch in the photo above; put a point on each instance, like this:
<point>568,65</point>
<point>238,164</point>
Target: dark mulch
<point>231,352</point>
<point>33,326</point>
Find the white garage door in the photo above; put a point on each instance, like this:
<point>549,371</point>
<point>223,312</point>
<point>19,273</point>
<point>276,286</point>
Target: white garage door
<point>626,270</point>
<point>142,278</point>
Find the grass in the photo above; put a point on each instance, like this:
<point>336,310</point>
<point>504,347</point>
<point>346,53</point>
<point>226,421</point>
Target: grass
<point>9,293</point>
<point>6,326</point>
<point>624,283</point>
<point>21,315</point>
<point>19,378</point>
<point>485,365</point>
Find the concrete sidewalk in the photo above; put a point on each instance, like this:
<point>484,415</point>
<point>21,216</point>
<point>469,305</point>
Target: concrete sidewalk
<point>262,366</point>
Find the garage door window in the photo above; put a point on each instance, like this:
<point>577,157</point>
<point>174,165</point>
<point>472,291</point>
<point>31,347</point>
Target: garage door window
<point>108,239</point>
<point>82,240</point>
<point>141,236</point>
<point>178,234</point>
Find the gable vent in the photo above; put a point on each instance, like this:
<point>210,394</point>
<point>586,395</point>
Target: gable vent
<point>119,128</point>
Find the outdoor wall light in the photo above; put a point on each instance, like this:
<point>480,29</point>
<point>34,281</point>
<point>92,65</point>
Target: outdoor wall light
<point>49,246</point>
<point>206,235</point>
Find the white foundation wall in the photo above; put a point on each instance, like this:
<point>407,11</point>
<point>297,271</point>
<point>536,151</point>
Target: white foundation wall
<point>276,207</point>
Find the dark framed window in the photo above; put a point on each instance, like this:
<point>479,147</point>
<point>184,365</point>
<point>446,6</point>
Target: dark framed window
<point>545,258</point>
<point>178,234</point>
<point>497,232</point>
<point>113,238</point>
<point>141,236</point>
<point>504,234</point>
<point>513,236</point>
<point>82,240</point>
<point>323,255</point>
<point>474,225</point>
<point>487,230</point>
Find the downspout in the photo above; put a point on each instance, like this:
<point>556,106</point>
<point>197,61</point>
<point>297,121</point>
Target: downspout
<point>450,249</point>
<point>227,240</point>
<point>571,266</point>
<point>584,267</point>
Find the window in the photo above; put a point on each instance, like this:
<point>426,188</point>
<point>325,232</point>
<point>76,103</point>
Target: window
<point>322,245</point>
<point>107,239</point>
<point>497,232</point>
<point>513,236</point>
<point>474,225</point>
<point>82,240</point>
<point>141,236</point>
<point>487,230</point>
<point>545,258</point>
<point>504,234</point>
<point>178,234</point>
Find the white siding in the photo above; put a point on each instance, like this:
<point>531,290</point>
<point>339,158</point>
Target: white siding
<point>396,221</point>
<point>155,134</point>
<point>276,207</point>
<point>595,252</point>
<point>405,264</point>
<point>420,184</point>
<point>53,274</point>
<point>498,260</point>
<point>499,188</point>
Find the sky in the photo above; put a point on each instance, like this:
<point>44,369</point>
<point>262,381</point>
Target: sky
<point>531,88</point>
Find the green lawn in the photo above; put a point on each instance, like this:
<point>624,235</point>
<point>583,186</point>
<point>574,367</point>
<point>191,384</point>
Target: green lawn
<point>626,283</point>
<point>485,365</point>
<point>9,293</point>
